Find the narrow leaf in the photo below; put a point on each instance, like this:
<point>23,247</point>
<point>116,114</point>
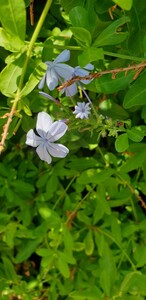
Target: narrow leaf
<point>110,35</point>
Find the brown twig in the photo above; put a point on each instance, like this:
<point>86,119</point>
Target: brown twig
<point>114,72</point>
<point>31,12</point>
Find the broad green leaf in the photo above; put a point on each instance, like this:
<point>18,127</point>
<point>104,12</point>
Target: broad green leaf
<point>136,95</point>
<point>111,35</point>
<point>135,134</point>
<point>134,162</point>
<point>90,54</point>
<point>89,243</point>
<point>34,79</point>
<point>9,78</point>
<point>79,17</point>
<point>94,176</point>
<point>124,4</point>
<point>105,84</point>
<point>82,36</point>
<point>13,17</point>
<point>8,42</point>
<point>121,143</point>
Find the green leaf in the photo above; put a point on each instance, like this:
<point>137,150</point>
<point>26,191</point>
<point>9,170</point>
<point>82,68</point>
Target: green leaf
<point>136,95</point>
<point>50,215</point>
<point>94,176</point>
<point>90,54</point>
<point>124,4</point>
<point>10,234</point>
<point>34,79</point>
<point>135,134</point>
<point>121,143</point>
<point>8,42</point>
<point>13,18</point>
<point>9,269</point>
<point>82,36</point>
<point>111,35</point>
<point>134,162</point>
<point>79,17</point>
<point>87,294</point>
<point>68,5</point>
<point>63,267</point>
<point>140,255</point>
<point>89,244</point>
<point>105,84</point>
<point>10,76</point>
<point>108,270</point>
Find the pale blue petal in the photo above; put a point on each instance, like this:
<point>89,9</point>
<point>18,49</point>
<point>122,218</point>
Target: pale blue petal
<point>42,82</point>
<point>51,79</point>
<point>71,90</point>
<point>62,57</point>
<point>57,150</point>
<point>32,139</point>
<point>44,121</point>
<point>43,153</point>
<point>80,72</point>
<point>57,130</point>
<point>89,67</point>
<point>64,71</point>
<point>49,97</point>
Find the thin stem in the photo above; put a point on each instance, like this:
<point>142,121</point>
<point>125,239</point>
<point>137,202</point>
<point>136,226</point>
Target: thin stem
<point>123,56</point>
<point>64,192</point>
<point>78,48</point>
<point>114,72</point>
<point>20,85</point>
<point>86,95</point>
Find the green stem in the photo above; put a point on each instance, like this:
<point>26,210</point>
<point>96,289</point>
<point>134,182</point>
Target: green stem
<point>123,56</point>
<point>32,41</point>
<point>78,48</point>
<point>64,192</point>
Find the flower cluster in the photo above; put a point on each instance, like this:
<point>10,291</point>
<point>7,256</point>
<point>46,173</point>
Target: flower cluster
<point>58,72</point>
<point>48,132</point>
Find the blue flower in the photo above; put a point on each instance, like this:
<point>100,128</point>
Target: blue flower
<point>48,132</point>
<point>56,71</point>
<point>82,110</point>
<point>78,71</point>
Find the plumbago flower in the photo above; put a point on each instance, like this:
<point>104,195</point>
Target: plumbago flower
<point>78,71</point>
<point>57,71</point>
<point>82,110</point>
<point>48,132</point>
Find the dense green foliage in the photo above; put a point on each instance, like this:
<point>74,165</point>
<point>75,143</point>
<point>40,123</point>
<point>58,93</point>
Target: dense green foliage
<point>74,229</point>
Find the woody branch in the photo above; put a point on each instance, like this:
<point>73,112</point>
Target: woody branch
<point>114,72</point>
